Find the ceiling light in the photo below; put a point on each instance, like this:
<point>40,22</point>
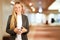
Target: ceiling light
<point>40,9</point>
<point>30,4</point>
<point>12,2</point>
<point>33,9</point>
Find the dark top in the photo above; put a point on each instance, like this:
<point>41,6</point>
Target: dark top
<point>52,20</point>
<point>25,24</point>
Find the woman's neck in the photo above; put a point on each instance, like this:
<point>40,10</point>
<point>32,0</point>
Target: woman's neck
<point>18,13</point>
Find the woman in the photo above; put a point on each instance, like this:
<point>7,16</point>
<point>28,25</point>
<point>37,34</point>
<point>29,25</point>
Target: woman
<point>17,25</point>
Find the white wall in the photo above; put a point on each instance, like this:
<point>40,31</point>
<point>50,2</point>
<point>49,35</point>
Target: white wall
<point>55,5</point>
<point>5,11</point>
<point>0,19</point>
<point>6,7</point>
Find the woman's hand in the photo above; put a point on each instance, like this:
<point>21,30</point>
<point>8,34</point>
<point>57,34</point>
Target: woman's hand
<point>18,31</point>
<point>23,30</point>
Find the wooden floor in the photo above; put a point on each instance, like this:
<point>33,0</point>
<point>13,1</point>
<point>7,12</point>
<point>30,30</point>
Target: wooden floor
<point>44,33</point>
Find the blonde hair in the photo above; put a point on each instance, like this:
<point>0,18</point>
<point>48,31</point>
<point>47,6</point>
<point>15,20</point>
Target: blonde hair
<point>14,17</point>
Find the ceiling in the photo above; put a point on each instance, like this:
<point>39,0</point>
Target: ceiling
<point>37,3</point>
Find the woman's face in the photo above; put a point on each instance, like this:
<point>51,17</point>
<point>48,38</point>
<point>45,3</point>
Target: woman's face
<point>18,8</point>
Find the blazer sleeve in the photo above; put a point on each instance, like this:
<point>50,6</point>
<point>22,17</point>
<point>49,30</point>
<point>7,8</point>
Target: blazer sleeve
<point>27,25</point>
<point>11,32</point>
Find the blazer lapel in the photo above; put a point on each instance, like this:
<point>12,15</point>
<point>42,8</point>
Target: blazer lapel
<point>22,20</point>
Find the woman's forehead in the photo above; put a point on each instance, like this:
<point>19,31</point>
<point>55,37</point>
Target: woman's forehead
<point>16,5</point>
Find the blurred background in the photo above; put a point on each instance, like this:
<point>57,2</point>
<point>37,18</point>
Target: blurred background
<point>37,11</point>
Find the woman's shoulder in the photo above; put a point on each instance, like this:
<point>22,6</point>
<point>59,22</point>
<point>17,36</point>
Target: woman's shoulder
<point>10,15</point>
<point>24,15</point>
